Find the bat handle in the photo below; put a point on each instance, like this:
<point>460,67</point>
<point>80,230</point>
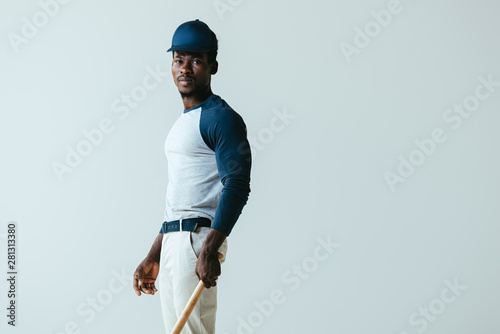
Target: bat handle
<point>190,305</point>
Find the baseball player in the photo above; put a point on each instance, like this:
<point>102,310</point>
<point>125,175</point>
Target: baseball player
<point>209,163</point>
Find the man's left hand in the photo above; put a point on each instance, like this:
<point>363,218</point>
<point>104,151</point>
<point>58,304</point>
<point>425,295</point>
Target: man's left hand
<point>208,265</point>
<point>208,269</point>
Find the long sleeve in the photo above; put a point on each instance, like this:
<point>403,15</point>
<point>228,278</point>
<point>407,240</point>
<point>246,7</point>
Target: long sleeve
<point>224,131</point>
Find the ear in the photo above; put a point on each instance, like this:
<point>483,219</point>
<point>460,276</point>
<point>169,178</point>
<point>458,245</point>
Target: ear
<point>215,67</point>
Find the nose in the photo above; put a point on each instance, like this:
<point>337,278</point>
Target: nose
<point>186,68</point>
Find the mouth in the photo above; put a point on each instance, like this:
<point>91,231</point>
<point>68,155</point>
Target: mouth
<point>185,80</point>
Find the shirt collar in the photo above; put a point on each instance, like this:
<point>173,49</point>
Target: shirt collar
<point>208,100</point>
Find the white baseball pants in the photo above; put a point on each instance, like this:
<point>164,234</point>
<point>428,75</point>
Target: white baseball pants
<point>177,280</point>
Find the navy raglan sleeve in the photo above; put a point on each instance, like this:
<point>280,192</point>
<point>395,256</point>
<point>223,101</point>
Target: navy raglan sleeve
<point>224,131</point>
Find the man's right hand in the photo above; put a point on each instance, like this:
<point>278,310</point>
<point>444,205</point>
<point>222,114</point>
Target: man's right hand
<point>145,277</point>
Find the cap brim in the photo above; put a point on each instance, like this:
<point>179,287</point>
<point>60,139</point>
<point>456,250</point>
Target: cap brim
<point>192,48</point>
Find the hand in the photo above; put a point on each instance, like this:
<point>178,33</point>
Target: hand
<point>145,277</point>
<point>208,269</point>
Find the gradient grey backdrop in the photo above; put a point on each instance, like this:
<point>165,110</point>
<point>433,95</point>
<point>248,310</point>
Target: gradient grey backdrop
<point>321,175</point>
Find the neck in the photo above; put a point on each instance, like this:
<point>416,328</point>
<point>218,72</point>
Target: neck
<point>191,100</point>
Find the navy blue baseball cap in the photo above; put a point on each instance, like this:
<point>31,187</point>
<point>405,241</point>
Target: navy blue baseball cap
<point>194,36</point>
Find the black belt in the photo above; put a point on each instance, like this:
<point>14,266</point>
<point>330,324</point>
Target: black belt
<point>188,224</point>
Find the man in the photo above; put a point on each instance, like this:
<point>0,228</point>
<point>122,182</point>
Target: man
<point>209,163</point>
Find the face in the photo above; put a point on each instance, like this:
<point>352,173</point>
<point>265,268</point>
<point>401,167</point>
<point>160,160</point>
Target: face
<point>191,72</point>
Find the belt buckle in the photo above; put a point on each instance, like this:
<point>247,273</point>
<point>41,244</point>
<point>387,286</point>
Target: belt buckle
<point>180,225</point>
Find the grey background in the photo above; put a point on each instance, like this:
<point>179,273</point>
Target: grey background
<point>321,176</point>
